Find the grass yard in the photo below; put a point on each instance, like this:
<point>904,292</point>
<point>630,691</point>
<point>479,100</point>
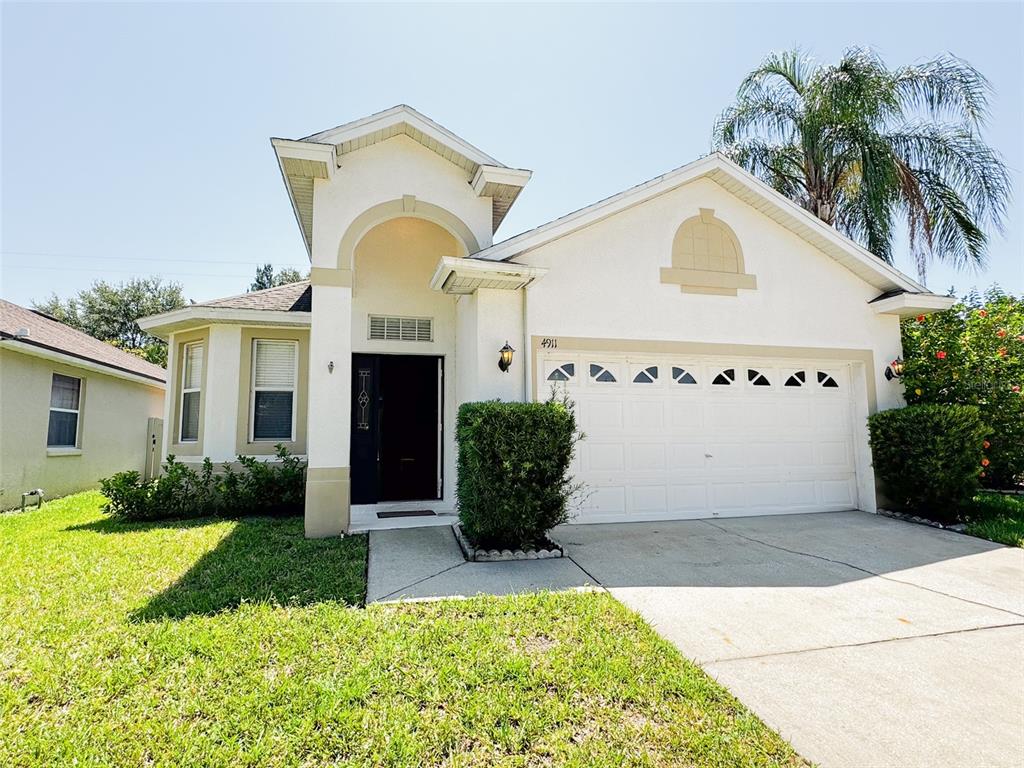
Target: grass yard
<point>997,517</point>
<point>241,643</point>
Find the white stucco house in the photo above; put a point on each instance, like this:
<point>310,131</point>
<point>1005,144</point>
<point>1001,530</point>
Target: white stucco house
<point>723,346</point>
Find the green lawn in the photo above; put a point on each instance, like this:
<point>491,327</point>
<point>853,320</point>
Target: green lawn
<point>241,643</point>
<point>997,517</point>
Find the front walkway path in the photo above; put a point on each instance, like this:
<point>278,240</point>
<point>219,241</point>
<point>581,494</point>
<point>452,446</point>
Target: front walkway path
<point>419,563</point>
<point>865,641</point>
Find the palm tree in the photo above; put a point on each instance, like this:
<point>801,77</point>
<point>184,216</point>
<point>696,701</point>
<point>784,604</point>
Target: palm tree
<point>861,147</point>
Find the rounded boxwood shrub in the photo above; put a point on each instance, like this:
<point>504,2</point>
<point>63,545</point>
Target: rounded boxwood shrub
<point>513,475</point>
<point>929,457</point>
<point>181,492</point>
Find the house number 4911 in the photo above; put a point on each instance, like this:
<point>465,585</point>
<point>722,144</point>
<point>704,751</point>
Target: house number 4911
<point>549,343</point>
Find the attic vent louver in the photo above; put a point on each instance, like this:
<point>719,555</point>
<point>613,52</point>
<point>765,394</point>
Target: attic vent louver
<point>383,328</point>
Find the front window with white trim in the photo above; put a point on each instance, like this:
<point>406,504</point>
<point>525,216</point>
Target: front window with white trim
<point>272,395</point>
<point>65,397</point>
<point>191,383</point>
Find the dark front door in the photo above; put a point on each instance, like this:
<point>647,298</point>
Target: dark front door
<point>395,428</point>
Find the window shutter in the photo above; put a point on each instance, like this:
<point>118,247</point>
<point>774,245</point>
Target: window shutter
<point>275,364</point>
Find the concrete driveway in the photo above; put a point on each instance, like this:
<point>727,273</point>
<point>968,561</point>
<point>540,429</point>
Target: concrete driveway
<point>863,640</point>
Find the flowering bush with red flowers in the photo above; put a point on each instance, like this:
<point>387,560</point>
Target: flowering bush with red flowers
<point>973,354</point>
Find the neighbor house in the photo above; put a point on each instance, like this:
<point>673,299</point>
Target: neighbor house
<point>723,347</point>
<point>73,409</point>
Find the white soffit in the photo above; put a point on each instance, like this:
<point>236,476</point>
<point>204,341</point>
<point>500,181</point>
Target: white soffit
<point>912,304</point>
<point>199,315</point>
<point>464,276</point>
<point>716,167</point>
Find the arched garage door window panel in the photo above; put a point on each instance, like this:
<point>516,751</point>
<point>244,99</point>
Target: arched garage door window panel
<point>757,379</point>
<point>682,376</point>
<point>726,378</point>
<point>563,372</point>
<point>601,374</point>
<point>826,380</point>
<point>797,379</point>
<point>647,375</point>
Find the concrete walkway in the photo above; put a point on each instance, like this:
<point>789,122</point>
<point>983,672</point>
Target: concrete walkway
<point>863,640</point>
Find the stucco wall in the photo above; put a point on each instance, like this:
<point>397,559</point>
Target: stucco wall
<point>605,283</point>
<point>393,265</point>
<point>112,428</point>
<point>385,172</point>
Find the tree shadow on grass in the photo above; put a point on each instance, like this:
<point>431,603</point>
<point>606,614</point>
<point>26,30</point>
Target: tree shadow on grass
<point>262,559</point>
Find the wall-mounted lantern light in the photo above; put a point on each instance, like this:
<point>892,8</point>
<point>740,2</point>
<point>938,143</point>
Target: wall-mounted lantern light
<point>894,370</point>
<point>330,367</point>
<point>505,358</point>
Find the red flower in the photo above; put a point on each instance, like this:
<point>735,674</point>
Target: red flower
<point>986,444</point>
<point>941,355</point>
<point>920,318</point>
<point>981,474</point>
<point>1001,351</point>
<point>985,462</point>
<point>1015,388</point>
<point>982,313</point>
<point>1001,333</point>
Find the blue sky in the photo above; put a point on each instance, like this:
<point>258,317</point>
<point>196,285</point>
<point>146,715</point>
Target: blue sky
<point>135,137</point>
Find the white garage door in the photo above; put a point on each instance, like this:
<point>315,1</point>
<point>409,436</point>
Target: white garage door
<point>671,437</point>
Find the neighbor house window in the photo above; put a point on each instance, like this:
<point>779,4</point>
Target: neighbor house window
<point>274,373</point>
<point>65,396</point>
<point>191,382</point>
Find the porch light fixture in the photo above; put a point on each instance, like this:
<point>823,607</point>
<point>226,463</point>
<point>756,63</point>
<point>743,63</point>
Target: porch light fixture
<point>894,370</point>
<point>505,358</point>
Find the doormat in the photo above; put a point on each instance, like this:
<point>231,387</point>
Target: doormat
<point>410,513</point>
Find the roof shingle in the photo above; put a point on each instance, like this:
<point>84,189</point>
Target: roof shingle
<point>47,333</point>
<point>293,297</point>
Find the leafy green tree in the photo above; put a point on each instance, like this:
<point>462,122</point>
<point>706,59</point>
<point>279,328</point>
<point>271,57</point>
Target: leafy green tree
<point>111,312</point>
<point>973,354</point>
<point>861,147</point>
<point>265,277</point>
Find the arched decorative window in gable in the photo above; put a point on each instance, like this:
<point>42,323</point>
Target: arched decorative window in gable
<point>707,258</point>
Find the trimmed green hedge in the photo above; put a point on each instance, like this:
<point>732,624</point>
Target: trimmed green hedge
<point>259,488</point>
<point>514,484</point>
<point>929,457</point>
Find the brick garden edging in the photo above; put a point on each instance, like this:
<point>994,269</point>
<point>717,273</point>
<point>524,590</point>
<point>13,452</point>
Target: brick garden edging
<point>475,555</point>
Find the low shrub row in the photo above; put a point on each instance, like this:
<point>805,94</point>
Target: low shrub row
<point>181,492</point>
<point>929,458</point>
<point>513,480</point>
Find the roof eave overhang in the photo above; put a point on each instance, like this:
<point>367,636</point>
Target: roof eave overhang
<point>27,347</point>
<point>165,324</point>
<point>747,187</point>
<point>465,276</point>
<point>502,185</point>
<point>912,304</point>
<point>301,163</point>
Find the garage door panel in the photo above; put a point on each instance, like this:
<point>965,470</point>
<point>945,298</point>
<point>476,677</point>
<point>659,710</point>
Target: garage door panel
<point>647,499</point>
<point>604,457</point>
<point>686,456</point>
<point>647,457</point>
<point>684,412</point>
<point>657,448</point>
